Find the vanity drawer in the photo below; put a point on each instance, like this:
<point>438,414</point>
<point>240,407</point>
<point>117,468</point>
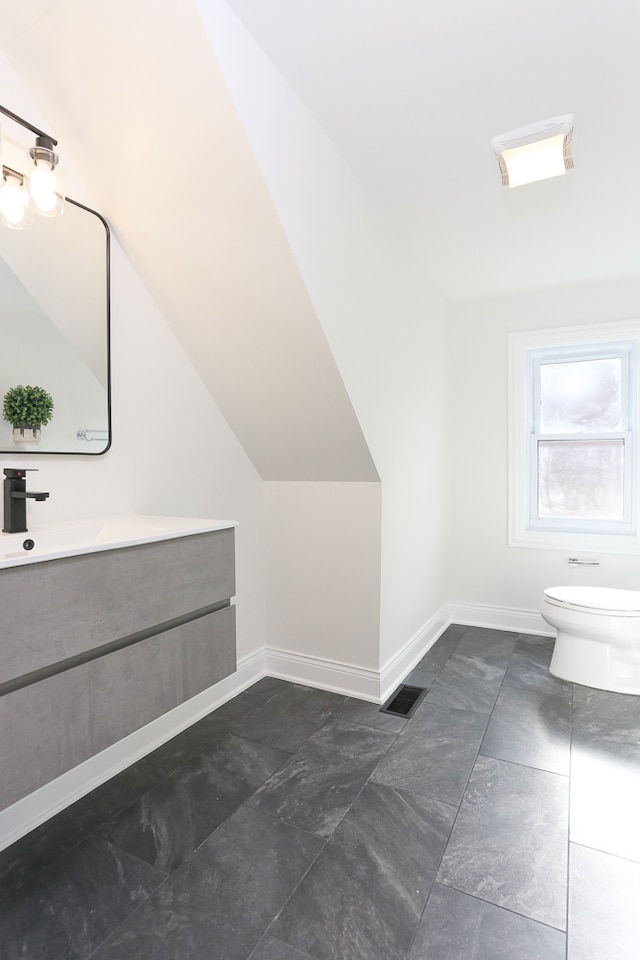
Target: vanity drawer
<point>55,724</point>
<point>60,609</point>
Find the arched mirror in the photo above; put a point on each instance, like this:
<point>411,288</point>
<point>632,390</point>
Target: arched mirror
<point>54,329</point>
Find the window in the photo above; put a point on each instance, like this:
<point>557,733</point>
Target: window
<point>573,423</point>
<point>581,448</point>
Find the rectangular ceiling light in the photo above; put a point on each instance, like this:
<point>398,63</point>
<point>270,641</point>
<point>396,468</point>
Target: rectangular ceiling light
<point>536,152</point>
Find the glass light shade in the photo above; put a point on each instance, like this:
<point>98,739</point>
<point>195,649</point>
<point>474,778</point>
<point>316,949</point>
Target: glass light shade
<point>14,201</point>
<point>46,182</point>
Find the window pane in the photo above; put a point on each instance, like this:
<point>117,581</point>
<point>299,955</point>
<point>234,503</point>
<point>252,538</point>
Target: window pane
<point>580,397</point>
<point>581,479</point>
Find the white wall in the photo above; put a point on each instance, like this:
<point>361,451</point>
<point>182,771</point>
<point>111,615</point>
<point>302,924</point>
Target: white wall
<point>213,255</point>
<point>172,451</point>
<point>486,570</point>
<point>163,459</point>
<point>385,326</point>
<point>324,601</point>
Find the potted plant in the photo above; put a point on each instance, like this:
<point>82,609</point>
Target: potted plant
<point>27,409</point>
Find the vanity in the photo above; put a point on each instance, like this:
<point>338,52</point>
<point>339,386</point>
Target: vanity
<point>107,624</point>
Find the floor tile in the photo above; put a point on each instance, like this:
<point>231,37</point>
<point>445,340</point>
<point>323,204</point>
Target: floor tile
<point>23,860</point>
<point>529,666</point>
<point>604,899</point>
<point>182,748</point>
<point>531,727</point>
<point>455,926</point>
<point>509,843</point>
<point>73,905</point>
<point>364,895</point>
<point>263,886</point>
<point>368,714</point>
<point>449,637</point>
<point>190,742</point>
<point>289,717</point>
<point>220,902</point>
<point>468,683</point>
<point>423,675</point>
<point>169,822</point>
<point>491,644</point>
<point>428,668</point>
<point>315,788</point>
<point>258,693</point>
<point>434,754</point>
<point>250,700</point>
<point>605,771</point>
<point>605,796</point>
<point>271,949</point>
<point>600,716</point>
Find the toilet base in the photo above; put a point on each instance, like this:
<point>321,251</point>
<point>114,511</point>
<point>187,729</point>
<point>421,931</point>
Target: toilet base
<point>596,664</point>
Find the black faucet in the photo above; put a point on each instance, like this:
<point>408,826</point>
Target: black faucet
<point>15,500</point>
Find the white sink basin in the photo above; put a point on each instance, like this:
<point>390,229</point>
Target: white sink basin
<point>52,541</point>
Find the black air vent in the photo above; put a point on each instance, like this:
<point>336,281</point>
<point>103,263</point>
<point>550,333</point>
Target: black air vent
<point>404,701</point>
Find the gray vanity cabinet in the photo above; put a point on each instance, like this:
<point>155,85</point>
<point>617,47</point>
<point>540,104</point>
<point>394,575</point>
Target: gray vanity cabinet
<point>96,646</point>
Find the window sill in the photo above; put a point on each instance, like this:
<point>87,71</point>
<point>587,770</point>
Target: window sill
<point>576,542</point>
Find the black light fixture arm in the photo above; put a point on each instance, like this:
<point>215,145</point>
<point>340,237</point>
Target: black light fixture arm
<point>27,125</point>
<point>9,171</point>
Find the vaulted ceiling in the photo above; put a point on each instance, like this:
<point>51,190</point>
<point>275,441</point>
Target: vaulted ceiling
<point>410,93</point>
<point>137,101</point>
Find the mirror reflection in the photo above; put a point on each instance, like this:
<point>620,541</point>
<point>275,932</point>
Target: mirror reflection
<point>54,324</point>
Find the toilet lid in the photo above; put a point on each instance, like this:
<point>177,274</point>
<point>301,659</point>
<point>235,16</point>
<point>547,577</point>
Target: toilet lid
<point>603,599</point>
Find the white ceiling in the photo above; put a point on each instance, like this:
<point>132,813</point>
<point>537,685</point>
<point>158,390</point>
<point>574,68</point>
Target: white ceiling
<point>133,92</point>
<point>411,93</point>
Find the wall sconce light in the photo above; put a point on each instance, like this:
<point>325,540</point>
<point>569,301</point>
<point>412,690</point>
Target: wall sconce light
<point>38,187</point>
<point>14,200</point>
<point>536,152</point>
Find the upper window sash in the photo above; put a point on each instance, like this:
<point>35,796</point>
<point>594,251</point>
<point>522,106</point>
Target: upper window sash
<point>624,350</point>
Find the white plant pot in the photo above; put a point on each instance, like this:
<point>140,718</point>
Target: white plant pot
<point>26,434</point>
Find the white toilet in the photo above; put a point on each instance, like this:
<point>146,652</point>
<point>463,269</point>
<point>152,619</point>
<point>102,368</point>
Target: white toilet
<point>598,642</point>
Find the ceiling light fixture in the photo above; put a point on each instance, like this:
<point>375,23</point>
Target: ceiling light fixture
<point>38,188</point>
<point>536,152</point>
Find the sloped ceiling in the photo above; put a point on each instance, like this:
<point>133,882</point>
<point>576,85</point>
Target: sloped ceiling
<point>411,92</point>
<point>134,95</point>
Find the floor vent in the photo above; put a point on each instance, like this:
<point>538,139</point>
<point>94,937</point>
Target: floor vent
<point>404,701</point>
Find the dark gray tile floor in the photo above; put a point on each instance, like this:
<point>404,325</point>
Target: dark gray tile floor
<point>499,823</point>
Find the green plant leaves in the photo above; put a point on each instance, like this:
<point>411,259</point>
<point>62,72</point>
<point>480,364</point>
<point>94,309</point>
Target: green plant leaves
<point>27,406</point>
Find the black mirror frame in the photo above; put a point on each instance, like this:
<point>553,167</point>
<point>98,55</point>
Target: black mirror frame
<point>88,453</point>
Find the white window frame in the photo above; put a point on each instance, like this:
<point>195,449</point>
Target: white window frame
<point>526,352</point>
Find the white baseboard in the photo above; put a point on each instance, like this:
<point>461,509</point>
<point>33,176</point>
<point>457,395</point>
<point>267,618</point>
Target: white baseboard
<point>499,618</point>
<point>365,684</point>
<point>324,674</point>
<point>395,669</point>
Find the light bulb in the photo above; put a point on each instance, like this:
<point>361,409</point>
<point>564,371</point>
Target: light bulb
<point>535,161</point>
<point>13,201</point>
<point>43,187</point>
